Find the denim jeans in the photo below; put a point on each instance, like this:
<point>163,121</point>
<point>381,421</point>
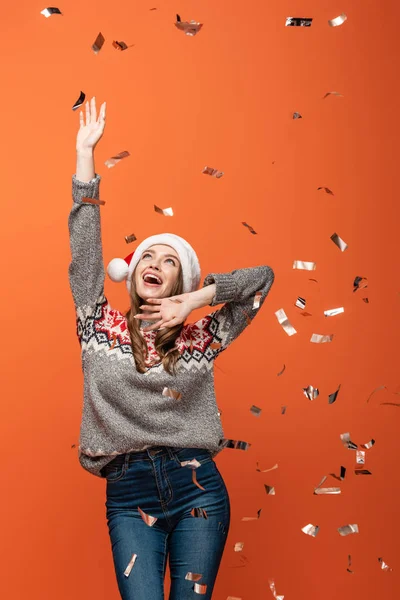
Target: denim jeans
<point>192,540</point>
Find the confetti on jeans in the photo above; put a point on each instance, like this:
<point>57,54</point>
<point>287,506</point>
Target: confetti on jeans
<point>200,588</point>
<point>147,518</point>
<point>193,576</point>
<point>129,567</point>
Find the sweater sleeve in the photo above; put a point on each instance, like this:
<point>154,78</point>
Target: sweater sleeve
<point>237,290</point>
<point>86,270</point>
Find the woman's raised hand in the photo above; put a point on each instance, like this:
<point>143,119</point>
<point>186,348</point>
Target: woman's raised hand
<point>90,132</point>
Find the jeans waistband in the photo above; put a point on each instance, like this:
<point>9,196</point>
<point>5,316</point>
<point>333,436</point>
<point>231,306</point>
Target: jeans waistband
<point>146,454</point>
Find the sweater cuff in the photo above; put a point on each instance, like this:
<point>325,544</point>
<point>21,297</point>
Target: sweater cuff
<point>89,188</point>
<point>226,289</point>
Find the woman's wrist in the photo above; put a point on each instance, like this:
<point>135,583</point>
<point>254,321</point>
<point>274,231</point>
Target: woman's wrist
<point>202,297</point>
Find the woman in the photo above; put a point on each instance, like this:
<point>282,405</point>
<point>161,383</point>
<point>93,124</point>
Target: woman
<point>150,424</point>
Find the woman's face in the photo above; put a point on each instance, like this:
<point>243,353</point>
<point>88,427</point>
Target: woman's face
<point>161,261</point>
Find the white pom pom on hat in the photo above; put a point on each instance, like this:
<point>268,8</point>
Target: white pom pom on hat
<point>119,269</point>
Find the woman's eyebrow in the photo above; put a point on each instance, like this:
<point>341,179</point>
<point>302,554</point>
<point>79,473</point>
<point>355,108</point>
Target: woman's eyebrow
<point>171,255</point>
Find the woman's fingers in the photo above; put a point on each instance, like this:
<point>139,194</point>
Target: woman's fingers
<point>93,107</point>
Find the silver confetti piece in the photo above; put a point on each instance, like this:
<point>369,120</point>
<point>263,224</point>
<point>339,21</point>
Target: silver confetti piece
<point>360,457</point>
<point>188,28</point>
<point>167,212</point>
<point>147,518</point>
<point>311,529</point>
<point>271,584</point>
<point>129,567</point>
<point>368,445</point>
<point>255,410</point>
<point>301,303</point>
<point>345,437</point>
<point>384,566</point>
<point>47,12</point>
<point>270,490</point>
<point>360,283</point>
<point>339,242</point>
<point>256,301</point>
<point>119,45</point>
<point>320,491</point>
<point>236,444</point>
<point>310,392</point>
<point>297,115</point>
<point>267,470</point>
<point>172,393</point>
<point>80,101</point>
<point>362,472</point>
<point>239,546</point>
<point>212,172</point>
<point>332,397</point>
<point>253,518</point>
<point>283,320</point>
<point>307,266</point>
<point>333,311</point>
<point>111,162</point>
<point>348,529</point>
<point>200,588</point>
<point>317,338</point>
<point>298,22</point>
<point>337,20</point>
<point>193,464</point>
<point>98,43</point>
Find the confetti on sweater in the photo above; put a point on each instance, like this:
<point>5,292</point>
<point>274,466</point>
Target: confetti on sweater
<point>193,576</point>
<point>297,115</point>
<point>92,201</point>
<point>348,529</point>
<point>167,212</point>
<point>332,397</point>
<point>249,227</point>
<point>333,311</point>
<point>311,529</point>
<point>310,392</point>
<point>98,43</point>
<point>80,101</point>
<point>111,162</point>
<point>337,20</point>
<point>307,266</point>
<point>271,584</point>
<point>283,320</point>
<point>212,172</point>
<point>256,301</point>
<point>130,238</point>
<point>332,93</point>
<point>318,338</point>
<point>47,12</point>
<point>339,242</point>
<point>200,588</point>
<point>172,393</point>
<point>189,28</point>
<point>327,190</point>
<point>298,22</point>
<point>129,567</point>
<point>147,518</point>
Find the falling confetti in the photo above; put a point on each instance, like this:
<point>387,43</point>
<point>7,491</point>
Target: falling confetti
<point>362,472</point>
<point>360,457</point>
<point>98,43</point>
<point>283,410</point>
<point>345,437</point>
<point>381,387</point>
<point>249,227</point>
<point>310,392</point>
<point>318,491</point>
<point>327,190</point>
<point>239,546</point>
<point>333,311</point>
<point>332,397</point>
<point>348,529</point>
<point>337,20</point>
<point>267,470</point>
<point>384,566</point>
<point>317,338</point>
<point>47,12</point>
<point>111,162</point>
<point>349,564</point>
<point>298,22</point>
<point>167,212</point>
<point>297,115</point>
<point>130,238</point>
<point>236,444</point>
<point>253,518</point>
<point>280,372</point>
<point>332,93</point>
<point>339,242</point>
<point>301,303</point>
<point>255,411</point>
<point>283,320</point>
<point>189,28</point>
<point>212,172</point>
<point>311,529</point>
<point>120,45</point>
<point>270,490</point>
<point>80,101</point>
<point>360,283</point>
<point>307,266</point>
<point>271,584</point>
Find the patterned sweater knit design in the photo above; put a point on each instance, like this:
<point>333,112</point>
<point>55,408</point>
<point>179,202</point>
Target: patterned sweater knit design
<point>124,410</point>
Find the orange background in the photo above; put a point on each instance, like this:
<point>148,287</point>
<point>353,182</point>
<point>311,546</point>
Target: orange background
<point>224,99</point>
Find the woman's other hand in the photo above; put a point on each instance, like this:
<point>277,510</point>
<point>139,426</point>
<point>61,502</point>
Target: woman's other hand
<point>168,312</point>
<point>90,132</point>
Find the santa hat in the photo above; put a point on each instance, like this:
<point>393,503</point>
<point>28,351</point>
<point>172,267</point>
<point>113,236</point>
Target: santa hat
<point>119,269</point>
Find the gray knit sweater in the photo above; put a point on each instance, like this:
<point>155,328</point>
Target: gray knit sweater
<point>124,410</point>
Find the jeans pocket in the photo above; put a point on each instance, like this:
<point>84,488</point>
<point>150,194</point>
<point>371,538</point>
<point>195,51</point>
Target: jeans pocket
<point>113,473</point>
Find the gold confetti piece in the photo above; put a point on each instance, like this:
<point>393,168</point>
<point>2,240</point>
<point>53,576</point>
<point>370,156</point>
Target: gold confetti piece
<point>239,546</point>
<point>130,238</point>
<point>253,518</point>
<point>307,266</point>
<point>283,409</point>
<point>193,576</point>
<point>167,212</point>
<point>215,345</point>
<point>283,320</point>
<point>381,387</point>
<point>334,93</point>
<point>194,479</point>
<point>320,491</point>
<point>92,201</point>
<point>349,564</point>
<point>200,588</point>
<point>280,372</point>
<point>298,22</point>
<point>172,393</point>
<point>129,567</point>
<point>300,302</point>
<point>347,529</point>
<point>337,20</point>
<point>327,190</point>
<point>339,242</point>
<point>360,283</point>
<point>332,397</point>
<point>317,338</point>
<point>384,566</point>
<point>310,392</point>
<point>345,437</point>
<point>199,513</point>
<point>235,444</point>
<point>98,43</point>
<point>249,227</point>
<point>270,490</point>
<point>257,298</point>
<point>47,12</point>
<point>360,457</point>
<point>120,45</point>
<point>311,529</point>
<point>192,464</point>
<point>333,311</point>
<point>267,470</point>
<point>297,115</point>
<point>212,172</point>
<point>315,280</point>
<point>255,410</point>
<point>147,518</point>
<point>189,28</point>
<point>271,584</point>
<point>362,472</point>
<point>111,162</point>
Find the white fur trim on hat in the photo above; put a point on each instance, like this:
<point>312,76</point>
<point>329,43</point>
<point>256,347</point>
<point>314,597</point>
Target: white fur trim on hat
<point>118,269</point>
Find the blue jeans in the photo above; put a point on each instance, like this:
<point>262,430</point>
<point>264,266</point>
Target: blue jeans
<point>193,540</point>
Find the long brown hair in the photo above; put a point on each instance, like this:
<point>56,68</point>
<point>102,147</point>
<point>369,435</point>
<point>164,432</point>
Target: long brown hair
<point>165,339</point>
